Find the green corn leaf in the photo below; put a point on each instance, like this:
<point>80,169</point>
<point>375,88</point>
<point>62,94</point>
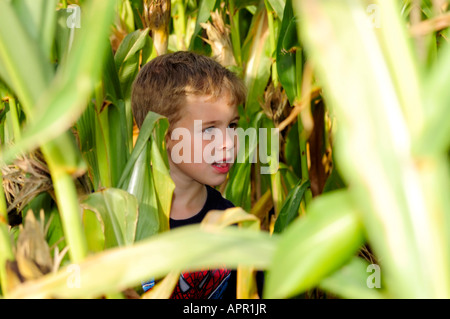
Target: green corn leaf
<point>102,139</point>
<point>376,140</point>
<point>151,184</point>
<point>204,13</point>
<point>256,52</point>
<point>86,128</point>
<point>435,136</point>
<point>278,6</point>
<point>164,186</point>
<point>287,49</point>
<point>127,58</point>
<point>230,216</point>
<point>63,34</point>
<point>240,4</point>
<point>111,82</point>
<point>66,193</point>
<point>118,212</point>
<point>141,185</point>
<point>314,246</point>
<point>148,51</point>
<point>238,190</point>
<point>403,65</point>
<point>62,104</point>
<point>120,139</point>
<point>6,253</point>
<point>144,135</point>
<point>353,281</point>
<point>213,219</point>
<point>125,11</point>
<point>93,231</point>
<point>130,45</point>
<point>38,17</point>
<point>65,155</point>
<point>291,205</point>
<point>24,66</point>
<point>154,257</point>
<point>64,101</point>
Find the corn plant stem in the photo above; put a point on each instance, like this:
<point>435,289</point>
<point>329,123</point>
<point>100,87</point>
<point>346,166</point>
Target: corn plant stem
<point>102,139</point>
<point>5,244</point>
<point>3,206</point>
<point>67,201</point>
<point>235,34</point>
<point>299,70</point>
<point>272,37</point>
<point>71,218</point>
<point>277,192</point>
<point>179,23</point>
<point>304,160</point>
<point>5,254</point>
<point>302,137</point>
<point>14,118</point>
<point>102,149</point>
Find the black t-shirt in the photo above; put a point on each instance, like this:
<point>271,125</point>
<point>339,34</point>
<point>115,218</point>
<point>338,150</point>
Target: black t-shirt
<point>208,283</point>
<point>214,201</point>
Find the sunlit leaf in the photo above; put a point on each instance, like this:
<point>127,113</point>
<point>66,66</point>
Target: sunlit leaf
<point>351,281</point>
<point>127,58</point>
<point>238,189</point>
<point>140,178</point>
<point>38,17</point>
<point>314,246</point>
<point>204,13</point>
<point>118,212</point>
<point>24,67</point>
<point>132,264</point>
<point>63,101</point>
<point>376,139</point>
<point>291,205</point>
<point>256,52</point>
<point>287,50</point>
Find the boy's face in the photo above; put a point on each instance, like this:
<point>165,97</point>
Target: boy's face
<point>203,144</point>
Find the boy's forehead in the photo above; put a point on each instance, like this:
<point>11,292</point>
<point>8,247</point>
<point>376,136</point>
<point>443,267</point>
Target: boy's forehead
<point>210,98</point>
<point>209,102</point>
<point>209,108</point>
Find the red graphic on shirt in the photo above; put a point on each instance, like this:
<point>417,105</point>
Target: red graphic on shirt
<point>201,284</point>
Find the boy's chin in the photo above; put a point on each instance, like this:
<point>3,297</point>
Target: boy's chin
<point>215,178</point>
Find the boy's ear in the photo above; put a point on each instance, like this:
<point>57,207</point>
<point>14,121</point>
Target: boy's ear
<point>168,140</point>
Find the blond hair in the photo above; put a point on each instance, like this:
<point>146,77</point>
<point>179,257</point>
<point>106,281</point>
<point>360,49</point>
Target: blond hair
<point>163,84</point>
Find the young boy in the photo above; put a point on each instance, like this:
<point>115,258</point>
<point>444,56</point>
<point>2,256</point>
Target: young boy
<point>200,98</point>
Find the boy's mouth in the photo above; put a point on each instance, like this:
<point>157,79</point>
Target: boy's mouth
<point>221,167</point>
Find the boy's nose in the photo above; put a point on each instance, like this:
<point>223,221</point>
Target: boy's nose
<point>228,140</point>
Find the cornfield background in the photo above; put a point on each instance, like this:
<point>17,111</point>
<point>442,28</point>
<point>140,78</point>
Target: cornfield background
<point>357,208</point>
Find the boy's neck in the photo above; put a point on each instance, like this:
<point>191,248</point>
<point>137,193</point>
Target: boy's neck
<point>188,199</point>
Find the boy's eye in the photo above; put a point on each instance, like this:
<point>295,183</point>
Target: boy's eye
<point>211,129</point>
<point>208,130</point>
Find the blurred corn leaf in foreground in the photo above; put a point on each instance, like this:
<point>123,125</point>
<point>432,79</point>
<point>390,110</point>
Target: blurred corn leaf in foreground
<point>379,132</point>
<point>134,263</point>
